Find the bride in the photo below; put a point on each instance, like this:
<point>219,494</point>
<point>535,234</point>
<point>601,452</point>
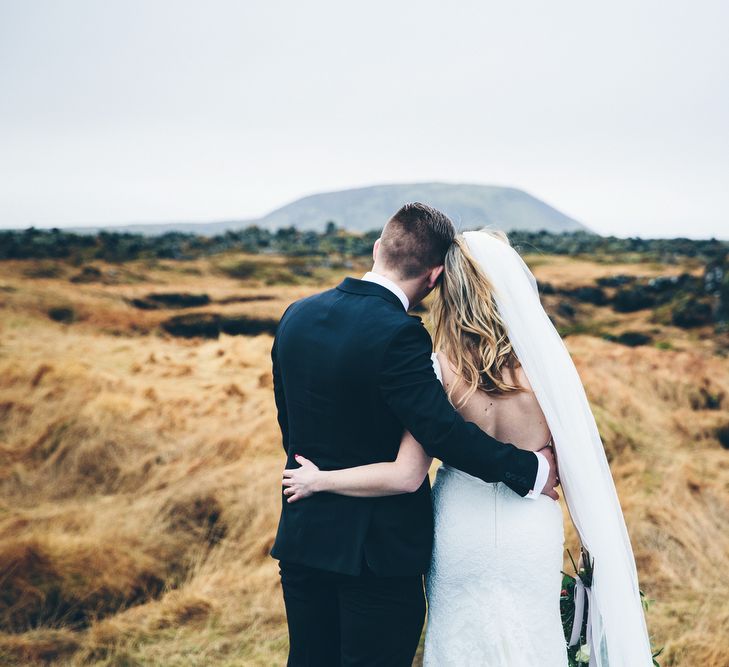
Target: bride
<point>494,582</point>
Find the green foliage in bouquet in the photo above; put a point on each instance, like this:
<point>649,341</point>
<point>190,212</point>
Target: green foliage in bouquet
<point>578,655</point>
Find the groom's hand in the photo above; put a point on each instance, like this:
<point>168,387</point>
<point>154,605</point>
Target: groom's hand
<point>552,479</point>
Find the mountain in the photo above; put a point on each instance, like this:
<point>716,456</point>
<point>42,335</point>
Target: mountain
<point>469,206</point>
<point>363,209</point>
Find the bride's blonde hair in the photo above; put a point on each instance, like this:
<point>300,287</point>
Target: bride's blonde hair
<point>468,327</point>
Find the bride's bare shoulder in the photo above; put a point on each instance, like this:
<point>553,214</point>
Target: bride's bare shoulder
<point>518,376</point>
<point>447,369</point>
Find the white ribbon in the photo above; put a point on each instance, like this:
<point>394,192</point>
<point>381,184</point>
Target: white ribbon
<point>582,595</point>
<point>593,651</point>
<point>579,612</point>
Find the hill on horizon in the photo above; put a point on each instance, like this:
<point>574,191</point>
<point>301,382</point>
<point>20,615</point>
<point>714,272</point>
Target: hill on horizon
<point>365,209</point>
<point>469,206</point>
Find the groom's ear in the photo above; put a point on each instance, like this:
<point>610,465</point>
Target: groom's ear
<point>375,249</point>
<point>434,275</point>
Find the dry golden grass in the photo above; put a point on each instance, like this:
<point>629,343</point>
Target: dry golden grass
<point>139,474</point>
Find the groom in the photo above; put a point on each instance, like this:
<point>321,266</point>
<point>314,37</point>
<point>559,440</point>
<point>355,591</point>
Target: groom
<point>352,370</point>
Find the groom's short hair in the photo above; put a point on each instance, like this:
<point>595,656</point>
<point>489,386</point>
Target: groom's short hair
<point>416,239</point>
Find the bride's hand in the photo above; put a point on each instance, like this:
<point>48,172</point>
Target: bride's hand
<point>553,477</point>
<point>301,482</point>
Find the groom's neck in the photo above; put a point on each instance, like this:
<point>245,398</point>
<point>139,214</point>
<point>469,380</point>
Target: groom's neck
<point>410,287</point>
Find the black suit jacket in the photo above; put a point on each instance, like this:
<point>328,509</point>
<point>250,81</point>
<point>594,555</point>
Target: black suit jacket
<point>351,371</point>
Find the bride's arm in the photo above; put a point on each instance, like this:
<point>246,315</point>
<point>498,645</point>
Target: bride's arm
<point>404,475</point>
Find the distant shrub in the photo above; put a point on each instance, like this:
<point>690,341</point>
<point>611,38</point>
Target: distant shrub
<point>588,294</point>
<point>88,274</point>
<point>144,304</point>
<point>211,325</point>
<point>546,288</point>
<point>171,300</point>
<point>692,313</point>
<point>716,283</point>
<point>64,314</point>
<point>629,338</point>
<point>632,299</point>
<point>243,269</point>
<point>633,338</point>
<point>203,325</point>
<point>243,325</point>
<point>673,283</point>
<point>245,298</point>
<point>566,309</point>
<point>722,435</point>
<point>615,281</point>
<point>706,397</point>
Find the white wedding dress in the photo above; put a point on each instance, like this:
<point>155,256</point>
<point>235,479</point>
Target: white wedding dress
<point>494,582</point>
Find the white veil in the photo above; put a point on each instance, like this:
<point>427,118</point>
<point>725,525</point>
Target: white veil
<point>618,628</point>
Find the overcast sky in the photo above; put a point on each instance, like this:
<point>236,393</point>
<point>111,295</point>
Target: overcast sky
<point>114,111</point>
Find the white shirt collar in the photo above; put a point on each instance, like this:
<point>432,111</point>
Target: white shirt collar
<point>373,277</point>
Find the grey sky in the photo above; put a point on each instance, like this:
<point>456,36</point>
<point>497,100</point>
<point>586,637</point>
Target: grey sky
<point>153,110</point>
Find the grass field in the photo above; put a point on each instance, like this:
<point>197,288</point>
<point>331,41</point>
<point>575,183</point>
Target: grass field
<point>139,471</point>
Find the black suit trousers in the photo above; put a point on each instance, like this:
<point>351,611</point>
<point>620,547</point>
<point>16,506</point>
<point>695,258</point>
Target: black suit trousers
<point>340,620</point>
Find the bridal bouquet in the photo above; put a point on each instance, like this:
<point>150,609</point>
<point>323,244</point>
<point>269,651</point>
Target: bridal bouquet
<point>573,606</point>
<point>574,602</point>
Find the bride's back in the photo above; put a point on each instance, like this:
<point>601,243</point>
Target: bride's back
<point>469,330</point>
<point>512,417</point>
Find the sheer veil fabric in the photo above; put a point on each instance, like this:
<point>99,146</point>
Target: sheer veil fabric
<point>619,632</point>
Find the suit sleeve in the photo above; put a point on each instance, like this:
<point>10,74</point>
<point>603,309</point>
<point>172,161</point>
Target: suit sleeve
<point>278,393</point>
<point>410,388</point>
